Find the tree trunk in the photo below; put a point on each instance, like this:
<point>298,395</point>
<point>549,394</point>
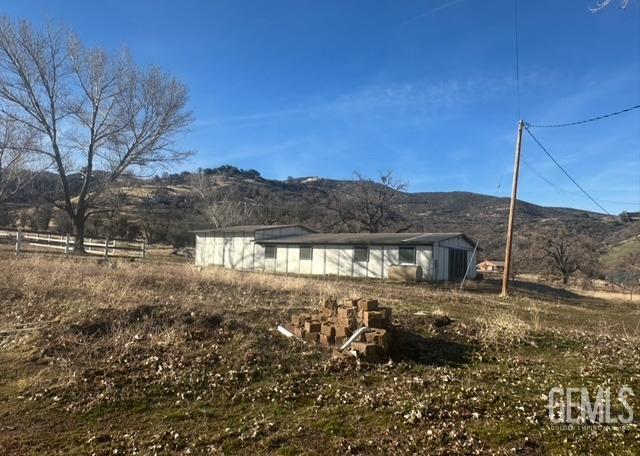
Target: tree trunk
<point>78,232</point>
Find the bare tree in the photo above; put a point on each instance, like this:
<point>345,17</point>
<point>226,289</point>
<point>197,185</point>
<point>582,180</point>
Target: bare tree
<point>563,261</point>
<point>95,116</point>
<point>369,206</point>
<point>566,254</point>
<point>222,205</point>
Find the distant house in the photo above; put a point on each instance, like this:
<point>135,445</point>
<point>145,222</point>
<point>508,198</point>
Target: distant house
<point>491,266</point>
<point>295,249</point>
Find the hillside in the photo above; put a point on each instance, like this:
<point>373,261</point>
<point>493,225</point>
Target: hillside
<point>166,207</point>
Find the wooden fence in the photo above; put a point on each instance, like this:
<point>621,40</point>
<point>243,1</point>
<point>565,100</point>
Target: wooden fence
<point>64,243</point>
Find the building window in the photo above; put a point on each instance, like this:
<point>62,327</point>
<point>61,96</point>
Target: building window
<point>407,255</point>
<point>306,252</point>
<point>270,252</point>
<point>360,254</point>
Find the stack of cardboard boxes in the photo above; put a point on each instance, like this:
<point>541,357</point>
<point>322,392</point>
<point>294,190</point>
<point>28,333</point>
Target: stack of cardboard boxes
<point>334,323</point>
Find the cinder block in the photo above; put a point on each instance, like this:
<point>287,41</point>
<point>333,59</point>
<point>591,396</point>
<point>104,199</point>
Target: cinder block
<point>386,315</point>
<point>299,331</point>
<point>350,302</point>
<point>297,319</point>
<point>326,340</point>
<point>372,318</point>
<point>312,326</point>
<point>340,340</point>
<point>370,352</point>
<point>379,337</point>
<point>312,337</point>
<point>342,331</point>
<point>346,313</point>
<point>368,304</point>
<point>328,329</point>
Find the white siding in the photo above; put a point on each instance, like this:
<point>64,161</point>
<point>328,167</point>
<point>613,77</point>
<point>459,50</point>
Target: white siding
<point>423,259</point>
<point>391,257</point>
<point>441,262</point>
<point>319,252</point>
<point>375,266</point>
<point>332,261</point>
<point>360,268</point>
<point>270,263</point>
<point>281,258</point>
<point>345,267</point>
<point>304,266</point>
<point>293,259</point>
<point>200,258</point>
<point>240,251</point>
<point>258,260</point>
<point>218,250</point>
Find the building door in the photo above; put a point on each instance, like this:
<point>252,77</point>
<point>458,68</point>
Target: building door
<point>457,264</point>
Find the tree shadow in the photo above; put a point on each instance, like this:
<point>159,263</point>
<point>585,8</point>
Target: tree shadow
<point>540,291</point>
<point>434,351</point>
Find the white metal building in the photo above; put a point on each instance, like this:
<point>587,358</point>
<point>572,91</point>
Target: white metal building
<point>295,249</point>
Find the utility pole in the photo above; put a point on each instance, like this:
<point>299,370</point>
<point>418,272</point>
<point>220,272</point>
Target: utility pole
<point>512,212</point>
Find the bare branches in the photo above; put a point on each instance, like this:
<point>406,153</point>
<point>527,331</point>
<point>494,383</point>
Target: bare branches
<point>371,206</point>
<point>221,205</point>
<point>601,4</point>
<point>15,160</point>
<point>88,111</point>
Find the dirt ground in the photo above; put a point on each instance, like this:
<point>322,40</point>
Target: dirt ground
<point>162,358</point>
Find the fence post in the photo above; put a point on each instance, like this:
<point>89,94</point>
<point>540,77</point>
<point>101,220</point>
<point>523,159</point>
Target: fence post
<point>18,241</point>
<point>106,248</point>
<point>144,248</point>
<point>66,245</point>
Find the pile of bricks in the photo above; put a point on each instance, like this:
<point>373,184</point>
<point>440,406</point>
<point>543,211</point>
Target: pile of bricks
<point>334,323</point>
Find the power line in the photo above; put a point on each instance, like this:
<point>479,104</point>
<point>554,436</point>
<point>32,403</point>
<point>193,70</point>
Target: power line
<point>579,122</point>
<point>560,190</point>
<point>515,26</point>
<point>565,171</point>
<point>566,193</point>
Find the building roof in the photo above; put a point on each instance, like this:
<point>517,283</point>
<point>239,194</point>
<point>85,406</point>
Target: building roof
<point>366,239</point>
<point>247,228</point>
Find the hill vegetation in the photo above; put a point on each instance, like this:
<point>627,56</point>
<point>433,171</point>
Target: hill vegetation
<point>165,208</point>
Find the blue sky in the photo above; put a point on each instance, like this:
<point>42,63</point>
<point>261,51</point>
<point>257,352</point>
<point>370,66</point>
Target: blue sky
<point>424,88</point>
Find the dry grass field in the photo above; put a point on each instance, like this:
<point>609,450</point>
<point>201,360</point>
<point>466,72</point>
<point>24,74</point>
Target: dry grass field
<point>161,358</point>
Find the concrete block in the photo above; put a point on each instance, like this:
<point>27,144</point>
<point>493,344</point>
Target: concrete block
<point>328,329</point>
<point>386,315</point>
<point>312,337</point>
<point>370,352</point>
<point>346,313</point>
<point>326,340</point>
<point>297,319</point>
<point>379,337</point>
<point>342,331</point>
<point>368,304</point>
<point>299,331</point>
<point>340,340</point>
<point>372,318</point>
<point>312,326</point>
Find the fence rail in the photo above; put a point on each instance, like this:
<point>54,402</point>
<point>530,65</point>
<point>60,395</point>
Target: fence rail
<point>65,242</point>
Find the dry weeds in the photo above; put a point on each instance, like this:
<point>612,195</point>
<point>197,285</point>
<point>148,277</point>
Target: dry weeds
<point>164,358</point>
